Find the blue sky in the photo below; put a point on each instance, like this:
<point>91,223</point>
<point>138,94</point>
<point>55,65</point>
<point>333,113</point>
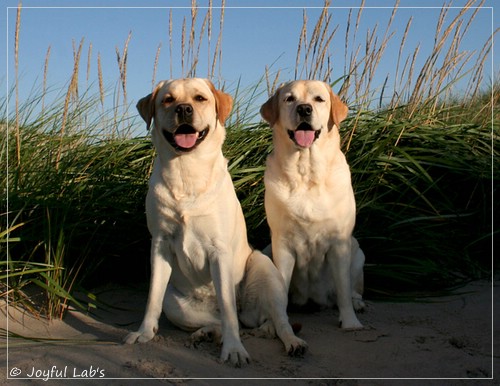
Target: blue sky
<point>255,34</point>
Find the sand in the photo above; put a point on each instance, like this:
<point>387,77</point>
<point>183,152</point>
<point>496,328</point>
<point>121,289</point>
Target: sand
<point>447,339</point>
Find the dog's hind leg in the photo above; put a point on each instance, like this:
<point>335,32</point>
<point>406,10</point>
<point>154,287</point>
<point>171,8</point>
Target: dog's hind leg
<point>357,276</point>
<point>188,312</point>
<point>191,314</point>
<point>264,300</point>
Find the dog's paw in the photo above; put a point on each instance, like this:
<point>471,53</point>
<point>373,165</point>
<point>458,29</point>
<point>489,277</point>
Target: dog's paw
<point>348,319</point>
<point>266,330</point>
<point>139,336</point>
<point>146,332</point>
<point>206,334</point>
<point>358,304</point>
<point>296,348</point>
<point>235,355</point>
<point>351,325</point>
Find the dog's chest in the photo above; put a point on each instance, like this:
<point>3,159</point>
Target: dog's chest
<point>309,241</point>
<point>328,201</point>
<point>315,207</point>
<point>192,248</point>
<point>188,231</point>
<point>310,250</point>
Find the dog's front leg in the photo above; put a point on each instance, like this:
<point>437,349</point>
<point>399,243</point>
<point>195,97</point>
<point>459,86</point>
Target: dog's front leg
<point>161,269</point>
<point>340,261</point>
<point>222,276</point>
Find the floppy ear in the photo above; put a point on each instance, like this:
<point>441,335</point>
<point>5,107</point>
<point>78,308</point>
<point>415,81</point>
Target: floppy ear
<point>270,109</point>
<point>338,109</point>
<point>223,103</point>
<point>146,106</point>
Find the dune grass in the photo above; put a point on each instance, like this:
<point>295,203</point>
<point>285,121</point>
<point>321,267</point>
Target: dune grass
<point>423,188</point>
<point>423,167</point>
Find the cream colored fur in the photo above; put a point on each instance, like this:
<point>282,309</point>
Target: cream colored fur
<point>309,199</point>
<point>201,263</point>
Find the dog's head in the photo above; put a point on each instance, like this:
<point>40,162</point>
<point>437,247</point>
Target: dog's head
<point>303,109</point>
<point>185,112</point>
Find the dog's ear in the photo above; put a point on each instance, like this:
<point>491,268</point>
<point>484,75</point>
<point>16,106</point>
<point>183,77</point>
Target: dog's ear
<point>338,109</point>
<point>270,110</point>
<point>224,105</point>
<point>146,105</point>
<point>223,102</point>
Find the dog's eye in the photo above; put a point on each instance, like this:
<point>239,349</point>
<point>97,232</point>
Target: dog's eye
<point>167,99</point>
<point>319,99</point>
<point>290,98</point>
<point>200,98</point>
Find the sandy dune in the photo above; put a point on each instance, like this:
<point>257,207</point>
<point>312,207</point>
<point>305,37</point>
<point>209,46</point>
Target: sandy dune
<point>446,337</point>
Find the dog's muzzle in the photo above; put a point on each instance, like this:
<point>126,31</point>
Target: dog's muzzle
<point>185,138</point>
<point>304,135</point>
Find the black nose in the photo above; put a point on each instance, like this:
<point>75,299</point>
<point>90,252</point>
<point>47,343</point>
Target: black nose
<point>304,110</point>
<point>184,111</point>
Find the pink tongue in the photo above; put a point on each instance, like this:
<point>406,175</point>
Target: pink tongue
<point>186,141</point>
<point>304,138</point>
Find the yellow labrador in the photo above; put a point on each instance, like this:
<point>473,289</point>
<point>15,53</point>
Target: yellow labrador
<point>309,199</point>
<point>199,243</point>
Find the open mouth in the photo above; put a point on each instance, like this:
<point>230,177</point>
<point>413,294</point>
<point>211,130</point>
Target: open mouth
<point>304,135</point>
<point>185,138</point>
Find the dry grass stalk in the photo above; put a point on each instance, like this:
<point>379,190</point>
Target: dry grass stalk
<point>313,60</point>
<point>45,73</point>
<point>218,46</point>
<point>346,83</point>
<point>193,56</point>
<point>476,79</point>
<point>326,73</point>
<point>427,71</point>
<point>72,93</point>
<point>275,82</point>
<point>101,81</point>
<point>155,67</point>
<point>353,64</point>
<point>396,97</point>
<point>122,66</point>
<point>378,52</point>
<point>192,33</point>
<point>209,32</point>
<point>431,77</point>
<point>321,49</point>
<point>360,12</point>
<point>119,61</point>
<point>442,68</point>
<point>192,41</point>
<point>271,87</point>
<point>73,86</point>
<point>346,40</point>
<point>194,65</point>
<point>268,85</point>
<point>183,44</point>
<point>302,40</point>
<point>170,42</point>
<point>73,89</point>
<point>89,57</point>
<point>361,88</point>
<point>411,72</point>
<point>311,45</point>
<point>16,65</point>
